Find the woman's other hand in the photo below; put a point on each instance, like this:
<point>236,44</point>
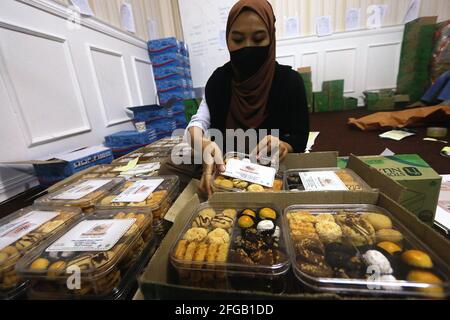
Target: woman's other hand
<point>273,148</point>
<point>212,162</point>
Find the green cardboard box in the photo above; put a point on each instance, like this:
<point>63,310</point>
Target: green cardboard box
<point>320,102</point>
<point>417,48</point>
<point>335,91</point>
<point>350,103</point>
<point>380,100</point>
<point>421,182</point>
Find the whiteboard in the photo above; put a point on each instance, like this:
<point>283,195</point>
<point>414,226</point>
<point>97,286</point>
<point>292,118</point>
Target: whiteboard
<point>204,26</point>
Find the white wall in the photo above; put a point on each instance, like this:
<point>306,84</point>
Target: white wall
<point>60,87</point>
<point>367,60</point>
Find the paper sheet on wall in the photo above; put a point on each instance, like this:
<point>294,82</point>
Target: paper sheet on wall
<point>413,11</point>
<point>126,13</point>
<point>323,26</point>
<point>292,27</point>
<point>83,6</point>
<point>374,16</point>
<point>353,19</point>
<point>153,32</point>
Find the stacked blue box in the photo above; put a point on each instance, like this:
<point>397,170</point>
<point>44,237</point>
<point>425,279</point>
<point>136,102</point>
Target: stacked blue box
<point>157,118</point>
<point>125,142</point>
<point>172,70</point>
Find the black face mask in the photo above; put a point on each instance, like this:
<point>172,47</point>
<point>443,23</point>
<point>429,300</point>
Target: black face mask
<point>247,61</point>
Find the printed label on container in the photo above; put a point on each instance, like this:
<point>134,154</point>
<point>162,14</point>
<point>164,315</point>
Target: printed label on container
<point>250,172</point>
<point>142,169</point>
<point>92,235</point>
<point>81,190</point>
<point>322,180</point>
<point>16,229</point>
<point>139,191</point>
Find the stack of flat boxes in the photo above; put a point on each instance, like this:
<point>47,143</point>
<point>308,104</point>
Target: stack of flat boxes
<point>380,100</point>
<point>173,78</point>
<point>417,49</point>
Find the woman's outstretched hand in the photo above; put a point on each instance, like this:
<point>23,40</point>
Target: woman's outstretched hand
<point>273,148</point>
<point>212,162</point>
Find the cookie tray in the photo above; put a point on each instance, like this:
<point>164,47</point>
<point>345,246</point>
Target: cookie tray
<point>374,284</point>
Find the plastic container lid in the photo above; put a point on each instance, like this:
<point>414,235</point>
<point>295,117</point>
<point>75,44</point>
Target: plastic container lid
<point>122,235</point>
<point>83,194</point>
<point>215,239</point>
<point>157,198</point>
<point>23,231</point>
<point>323,179</point>
<point>361,249</point>
<point>227,184</point>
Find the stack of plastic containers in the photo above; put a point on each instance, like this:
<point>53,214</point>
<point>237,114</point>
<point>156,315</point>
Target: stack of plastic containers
<point>125,142</point>
<point>172,71</point>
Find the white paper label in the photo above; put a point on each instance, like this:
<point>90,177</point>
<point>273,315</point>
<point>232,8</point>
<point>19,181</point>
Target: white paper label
<point>81,190</point>
<point>16,229</point>
<point>250,172</point>
<point>353,19</point>
<point>142,169</point>
<point>323,26</point>
<point>322,180</point>
<point>139,191</point>
<point>92,235</point>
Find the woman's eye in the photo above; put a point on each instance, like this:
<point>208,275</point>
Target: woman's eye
<point>237,40</point>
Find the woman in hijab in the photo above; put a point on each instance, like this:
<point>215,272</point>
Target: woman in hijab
<point>252,91</point>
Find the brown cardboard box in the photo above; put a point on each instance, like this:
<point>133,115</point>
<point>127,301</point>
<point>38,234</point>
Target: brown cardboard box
<point>157,282</point>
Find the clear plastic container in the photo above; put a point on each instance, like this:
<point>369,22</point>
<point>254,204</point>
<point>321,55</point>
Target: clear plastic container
<point>23,231</point>
<point>86,273</point>
<point>83,194</point>
<point>229,247</point>
<point>221,183</point>
<point>361,249</point>
<point>158,202</point>
<point>349,180</point>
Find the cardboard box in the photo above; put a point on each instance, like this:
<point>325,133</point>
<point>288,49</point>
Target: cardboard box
<point>158,283</point>
<point>421,183</point>
<point>320,102</point>
<point>335,91</point>
<point>350,103</point>
<point>380,100</point>
<point>55,168</point>
<point>417,48</point>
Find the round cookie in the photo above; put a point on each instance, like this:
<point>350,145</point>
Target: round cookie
<point>267,213</point>
<point>3,258</point>
<point>429,278</point>
<point>209,212</point>
<point>10,251</point>
<point>266,226</point>
<point>246,222</point>
<point>56,268</point>
<point>249,212</point>
<point>218,236</point>
<point>230,213</point>
<point>389,247</point>
<point>227,184</point>
<point>378,221</point>
<point>221,221</point>
<point>418,259</point>
<point>120,215</point>
<point>195,235</point>
<point>40,264</point>
<point>255,188</point>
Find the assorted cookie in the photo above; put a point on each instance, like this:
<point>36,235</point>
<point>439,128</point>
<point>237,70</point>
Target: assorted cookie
<point>222,183</point>
<point>25,219</point>
<point>102,271</point>
<point>351,244</point>
<point>220,238</point>
<point>159,201</point>
<point>83,194</point>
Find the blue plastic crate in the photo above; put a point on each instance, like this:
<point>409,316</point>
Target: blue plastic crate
<point>164,73</point>
<point>172,82</point>
<point>149,113</point>
<point>177,93</point>
<point>126,139</point>
<point>164,46</point>
<point>167,60</point>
